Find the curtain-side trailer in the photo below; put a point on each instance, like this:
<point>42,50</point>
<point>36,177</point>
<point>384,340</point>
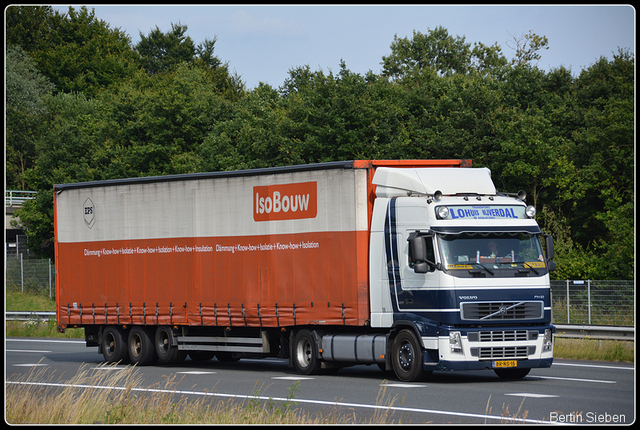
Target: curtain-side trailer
<point>385,262</point>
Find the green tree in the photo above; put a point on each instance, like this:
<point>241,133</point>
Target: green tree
<point>440,52</point>
<point>161,51</point>
<point>64,154</point>
<point>527,47</point>
<point>600,192</point>
<point>436,50</point>
<point>76,51</point>
<point>159,122</point>
<point>30,26</point>
<point>26,90</point>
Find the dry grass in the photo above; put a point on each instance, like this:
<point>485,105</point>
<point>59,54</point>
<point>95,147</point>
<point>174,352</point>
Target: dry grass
<point>114,396</point>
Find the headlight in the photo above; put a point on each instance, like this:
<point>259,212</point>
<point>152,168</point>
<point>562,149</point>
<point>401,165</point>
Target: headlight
<point>455,342</point>
<point>442,212</point>
<point>547,343</point>
<point>530,211</point>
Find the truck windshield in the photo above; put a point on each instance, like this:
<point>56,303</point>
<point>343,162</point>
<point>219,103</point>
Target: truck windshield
<point>491,251</point>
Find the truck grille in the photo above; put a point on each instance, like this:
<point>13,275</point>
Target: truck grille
<point>491,311</point>
<point>502,336</point>
<point>503,352</point>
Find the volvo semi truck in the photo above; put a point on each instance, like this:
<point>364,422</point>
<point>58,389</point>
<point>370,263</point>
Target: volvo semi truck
<point>411,265</point>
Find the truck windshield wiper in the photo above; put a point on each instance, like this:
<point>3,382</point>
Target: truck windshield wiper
<point>485,268</point>
<point>526,266</point>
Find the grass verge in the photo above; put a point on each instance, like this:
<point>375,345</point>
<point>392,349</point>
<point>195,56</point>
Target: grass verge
<point>101,396</point>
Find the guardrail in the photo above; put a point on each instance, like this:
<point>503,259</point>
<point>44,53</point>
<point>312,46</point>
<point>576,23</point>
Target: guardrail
<point>595,332</point>
<point>17,197</point>
<point>28,315</point>
<point>562,330</point>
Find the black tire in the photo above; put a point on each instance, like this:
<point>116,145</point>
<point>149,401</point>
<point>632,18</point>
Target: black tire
<point>167,353</point>
<point>406,357</point>
<point>305,353</point>
<point>141,348</point>
<point>512,373</point>
<point>114,345</point>
<point>201,355</point>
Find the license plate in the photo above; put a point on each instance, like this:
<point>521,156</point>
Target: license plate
<point>505,363</point>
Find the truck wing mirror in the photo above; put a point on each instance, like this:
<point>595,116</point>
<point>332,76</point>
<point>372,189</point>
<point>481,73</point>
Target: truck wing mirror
<point>548,242</point>
<point>419,254</point>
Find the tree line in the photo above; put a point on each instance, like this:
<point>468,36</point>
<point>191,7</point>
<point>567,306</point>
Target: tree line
<point>84,103</point>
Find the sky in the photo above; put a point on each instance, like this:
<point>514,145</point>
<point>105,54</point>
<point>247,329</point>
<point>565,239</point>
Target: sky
<point>262,43</point>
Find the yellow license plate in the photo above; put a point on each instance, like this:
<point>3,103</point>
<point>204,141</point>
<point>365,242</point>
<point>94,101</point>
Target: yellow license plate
<point>505,363</point>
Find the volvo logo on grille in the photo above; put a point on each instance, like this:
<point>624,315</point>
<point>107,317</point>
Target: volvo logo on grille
<point>502,310</point>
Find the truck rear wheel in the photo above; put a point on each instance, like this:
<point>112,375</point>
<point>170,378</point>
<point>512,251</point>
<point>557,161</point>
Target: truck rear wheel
<point>114,345</point>
<point>141,348</point>
<point>167,353</point>
<point>406,357</point>
<point>304,353</point>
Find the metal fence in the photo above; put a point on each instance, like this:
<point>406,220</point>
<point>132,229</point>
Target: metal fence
<point>27,275</point>
<point>592,302</point>
<point>589,302</point>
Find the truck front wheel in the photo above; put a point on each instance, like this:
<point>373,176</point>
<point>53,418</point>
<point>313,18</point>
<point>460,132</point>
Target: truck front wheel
<point>167,353</point>
<point>406,357</point>
<point>114,345</point>
<point>304,353</point>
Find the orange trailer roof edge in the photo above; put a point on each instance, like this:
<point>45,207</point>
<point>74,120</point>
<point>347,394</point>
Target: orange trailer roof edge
<point>364,164</point>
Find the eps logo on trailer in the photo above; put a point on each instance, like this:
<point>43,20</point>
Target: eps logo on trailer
<point>89,213</point>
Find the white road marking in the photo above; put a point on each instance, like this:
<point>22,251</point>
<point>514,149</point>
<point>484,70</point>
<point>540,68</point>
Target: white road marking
<point>533,395</point>
<point>30,365</point>
<point>108,368</point>
<point>195,372</point>
<point>27,350</point>
<point>601,381</point>
<point>403,385</point>
<point>47,340</point>
<point>593,365</point>
<point>291,378</point>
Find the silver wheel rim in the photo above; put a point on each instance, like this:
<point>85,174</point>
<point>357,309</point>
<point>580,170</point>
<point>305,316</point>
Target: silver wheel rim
<point>304,352</point>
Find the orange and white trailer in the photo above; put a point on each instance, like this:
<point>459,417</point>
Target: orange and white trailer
<point>302,262</point>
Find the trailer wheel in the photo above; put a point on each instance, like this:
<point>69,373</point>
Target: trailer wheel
<point>304,354</point>
<point>141,348</point>
<point>512,373</point>
<point>167,353</point>
<point>406,357</point>
<point>114,345</point>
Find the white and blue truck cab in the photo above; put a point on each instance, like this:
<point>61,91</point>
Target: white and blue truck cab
<point>465,267</point>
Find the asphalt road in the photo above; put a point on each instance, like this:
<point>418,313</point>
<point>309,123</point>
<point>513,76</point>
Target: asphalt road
<point>583,392</point>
